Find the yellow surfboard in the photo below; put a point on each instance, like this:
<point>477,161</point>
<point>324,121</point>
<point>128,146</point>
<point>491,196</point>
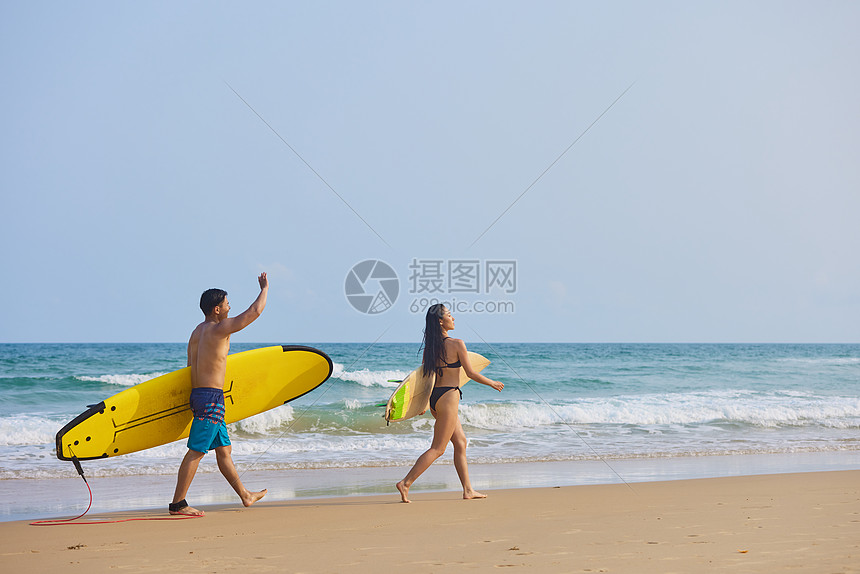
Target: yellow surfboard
<point>412,396</point>
<point>157,411</point>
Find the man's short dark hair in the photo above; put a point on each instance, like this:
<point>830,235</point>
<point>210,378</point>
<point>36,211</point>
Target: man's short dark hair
<point>210,299</point>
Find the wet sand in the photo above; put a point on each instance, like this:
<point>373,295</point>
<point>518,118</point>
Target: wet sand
<point>803,522</point>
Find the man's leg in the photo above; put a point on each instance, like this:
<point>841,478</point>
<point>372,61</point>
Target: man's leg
<point>224,455</point>
<point>187,470</point>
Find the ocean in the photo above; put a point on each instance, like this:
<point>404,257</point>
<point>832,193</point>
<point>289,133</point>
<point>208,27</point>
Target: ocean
<point>600,405</point>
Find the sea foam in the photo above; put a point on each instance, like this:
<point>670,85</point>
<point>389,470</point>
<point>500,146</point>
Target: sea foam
<point>369,378</point>
<point>266,422</point>
<point>128,380</point>
<point>19,430</point>
<point>734,407</point>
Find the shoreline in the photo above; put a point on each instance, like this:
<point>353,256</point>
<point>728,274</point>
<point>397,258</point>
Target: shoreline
<point>805,522</point>
<point>35,499</point>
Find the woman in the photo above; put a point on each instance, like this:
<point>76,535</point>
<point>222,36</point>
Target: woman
<point>445,400</point>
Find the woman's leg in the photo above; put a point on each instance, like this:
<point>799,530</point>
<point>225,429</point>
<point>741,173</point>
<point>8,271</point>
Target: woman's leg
<point>458,439</point>
<point>443,430</point>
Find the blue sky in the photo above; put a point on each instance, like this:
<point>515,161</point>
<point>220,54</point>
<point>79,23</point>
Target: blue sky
<point>716,201</point>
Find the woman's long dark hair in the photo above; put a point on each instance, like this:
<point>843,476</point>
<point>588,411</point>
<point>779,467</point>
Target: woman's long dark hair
<point>434,348</point>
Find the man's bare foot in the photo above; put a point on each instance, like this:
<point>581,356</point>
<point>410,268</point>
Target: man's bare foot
<point>185,510</point>
<point>404,492</point>
<point>253,497</point>
<point>473,495</point>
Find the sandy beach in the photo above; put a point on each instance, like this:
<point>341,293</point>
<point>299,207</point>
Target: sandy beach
<point>804,522</point>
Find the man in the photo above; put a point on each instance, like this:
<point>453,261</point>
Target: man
<point>207,357</point>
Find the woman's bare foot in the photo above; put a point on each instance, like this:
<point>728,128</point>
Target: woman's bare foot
<point>404,492</point>
<point>473,495</point>
<point>253,497</point>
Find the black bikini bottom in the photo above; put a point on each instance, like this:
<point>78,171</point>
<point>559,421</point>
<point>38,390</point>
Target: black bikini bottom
<point>438,392</point>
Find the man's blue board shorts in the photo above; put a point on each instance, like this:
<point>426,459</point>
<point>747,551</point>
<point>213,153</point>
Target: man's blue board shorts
<point>208,430</point>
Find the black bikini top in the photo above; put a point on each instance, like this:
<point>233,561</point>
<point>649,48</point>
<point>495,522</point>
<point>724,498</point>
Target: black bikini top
<point>455,365</point>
